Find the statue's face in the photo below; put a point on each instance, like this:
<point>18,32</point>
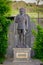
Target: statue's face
<point>22,11</point>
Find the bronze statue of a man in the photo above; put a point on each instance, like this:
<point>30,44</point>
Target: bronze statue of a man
<point>24,26</point>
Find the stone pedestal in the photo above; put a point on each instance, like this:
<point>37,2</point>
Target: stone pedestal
<point>21,54</point>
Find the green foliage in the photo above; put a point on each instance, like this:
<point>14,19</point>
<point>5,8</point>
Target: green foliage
<point>34,33</point>
<point>4,8</point>
<point>1,60</point>
<point>3,35</point>
<point>4,23</point>
<point>38,44</point>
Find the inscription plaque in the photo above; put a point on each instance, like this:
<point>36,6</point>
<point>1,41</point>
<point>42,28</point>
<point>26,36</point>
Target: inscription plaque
<point>21,54</point>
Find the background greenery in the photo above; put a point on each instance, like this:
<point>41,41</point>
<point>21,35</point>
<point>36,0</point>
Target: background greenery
<point>31,8</point>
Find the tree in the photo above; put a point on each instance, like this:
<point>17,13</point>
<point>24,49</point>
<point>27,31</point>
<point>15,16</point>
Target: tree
<point>38,1</point>
<point>4,23</point>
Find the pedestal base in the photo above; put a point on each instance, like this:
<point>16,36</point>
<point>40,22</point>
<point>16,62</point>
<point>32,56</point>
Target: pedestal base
<point>22,54</point>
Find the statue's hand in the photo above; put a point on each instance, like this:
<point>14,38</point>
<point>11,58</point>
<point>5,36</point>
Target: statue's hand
<point>26,30</point>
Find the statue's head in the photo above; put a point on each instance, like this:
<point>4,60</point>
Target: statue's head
<point>22,11</point>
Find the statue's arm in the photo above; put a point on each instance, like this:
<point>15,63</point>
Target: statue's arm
<point>16,19</point>
<point>28,24</point>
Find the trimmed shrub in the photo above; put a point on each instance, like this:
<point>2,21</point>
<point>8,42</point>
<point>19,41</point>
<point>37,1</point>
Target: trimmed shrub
<point>4,24</point>
<point>38,44</point>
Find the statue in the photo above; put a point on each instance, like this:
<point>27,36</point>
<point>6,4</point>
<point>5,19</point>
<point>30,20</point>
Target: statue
<point>23,28</point>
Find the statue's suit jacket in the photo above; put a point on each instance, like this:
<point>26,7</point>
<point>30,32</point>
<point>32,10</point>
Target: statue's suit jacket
<point>23,21</point>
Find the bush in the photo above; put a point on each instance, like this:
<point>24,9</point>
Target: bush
<point>3,35</point>
<point>38,44</point>
<point>4,7</point>
<point>2,60</point>
<point>4,24</point>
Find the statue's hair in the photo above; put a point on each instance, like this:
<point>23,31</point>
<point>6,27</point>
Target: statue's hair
<point>22,9</point>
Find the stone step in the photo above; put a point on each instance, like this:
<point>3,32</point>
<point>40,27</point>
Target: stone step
<point>30,62</point>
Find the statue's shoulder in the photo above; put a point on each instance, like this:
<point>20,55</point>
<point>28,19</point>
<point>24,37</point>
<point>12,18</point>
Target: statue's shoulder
<point>17,18</point>
<point>17,15</point>
<point>27,16</point>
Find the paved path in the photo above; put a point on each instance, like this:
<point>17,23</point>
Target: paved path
<point>31,62</point>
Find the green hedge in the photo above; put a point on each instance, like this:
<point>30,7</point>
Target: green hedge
<point>38,44</point>
<point>4,24</point>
